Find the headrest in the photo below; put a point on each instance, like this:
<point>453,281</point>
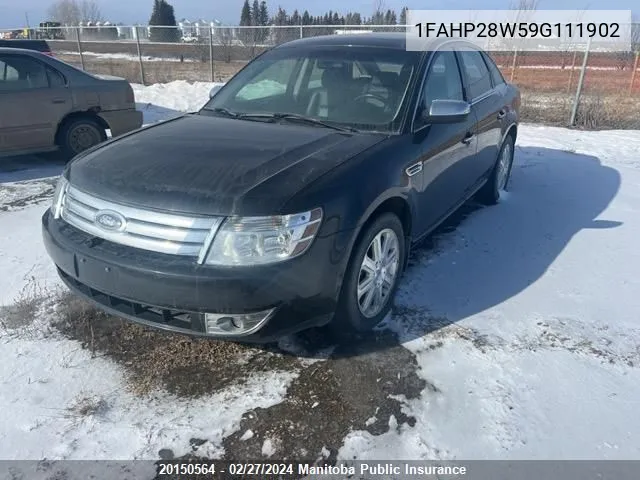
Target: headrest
<point>333,77</point>
<point>388,79</point>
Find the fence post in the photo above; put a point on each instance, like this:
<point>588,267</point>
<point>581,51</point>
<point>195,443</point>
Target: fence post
<point>574,110</point>
<point>573,66</point>
<point>139,55</point>
<point>633,73</point>
<point>211,52</point>
<point>301,35</point>
<point>79,47</point>
<point>513,64</point>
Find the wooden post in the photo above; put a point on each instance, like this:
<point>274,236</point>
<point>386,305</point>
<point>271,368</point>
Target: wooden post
<point>139,55</point>
<point>513,64</point>
<point>211,51</point>
<point>573,66</point>
<point>633,73</point>
<point>576,102</point>
<point>79,47</point>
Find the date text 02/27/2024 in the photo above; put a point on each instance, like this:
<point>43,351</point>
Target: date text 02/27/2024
<point>286,470</point>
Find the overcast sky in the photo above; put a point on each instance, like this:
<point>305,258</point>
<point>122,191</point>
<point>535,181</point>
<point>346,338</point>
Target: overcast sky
<point>12,12</point>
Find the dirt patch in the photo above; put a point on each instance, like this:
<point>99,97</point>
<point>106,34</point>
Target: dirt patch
<point>182,365</point>
<point>23,194</point>
<point>354,389</point>
<point>340,388</point>
<point>87,406</point>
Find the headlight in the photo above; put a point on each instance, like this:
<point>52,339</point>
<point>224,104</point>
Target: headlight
<point>58,197</point>
<point>262,240</point>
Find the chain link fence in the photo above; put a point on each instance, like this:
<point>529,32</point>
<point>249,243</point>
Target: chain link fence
<point>550,81</point>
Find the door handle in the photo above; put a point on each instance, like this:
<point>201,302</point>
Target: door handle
<point>501,114</point>
<point>414,169</point>
<point>468,138</point>
<point>58,100</point>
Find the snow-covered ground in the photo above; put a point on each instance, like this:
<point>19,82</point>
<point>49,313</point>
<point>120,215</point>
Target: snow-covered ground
<point>125,56</point>
<point>524,322</point>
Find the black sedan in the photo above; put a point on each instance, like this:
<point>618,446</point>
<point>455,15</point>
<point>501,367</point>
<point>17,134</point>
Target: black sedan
<point>292,198</point>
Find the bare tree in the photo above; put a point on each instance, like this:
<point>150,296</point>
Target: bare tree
<point>64,11</point>
<point>635,34</point>
<point>72,12</point>
<point>523,5</point>
<point>626,58</point>
<point>90,12</point>
<point>524,9</point>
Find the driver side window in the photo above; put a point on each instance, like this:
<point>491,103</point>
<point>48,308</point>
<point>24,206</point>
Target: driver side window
<point>443,81</point>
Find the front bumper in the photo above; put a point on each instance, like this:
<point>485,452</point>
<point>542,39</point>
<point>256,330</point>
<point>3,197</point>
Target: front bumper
<point>174,293</point>
<point>122,121</point>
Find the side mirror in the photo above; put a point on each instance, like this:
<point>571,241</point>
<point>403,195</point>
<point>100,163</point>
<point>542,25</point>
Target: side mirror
<point>214,90</point>
<point>447,111</point>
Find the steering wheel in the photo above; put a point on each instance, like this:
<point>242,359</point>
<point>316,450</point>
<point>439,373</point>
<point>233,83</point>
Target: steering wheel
<point>371,96</point>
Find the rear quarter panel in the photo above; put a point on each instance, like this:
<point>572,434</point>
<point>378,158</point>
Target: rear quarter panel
<point>512,100</point>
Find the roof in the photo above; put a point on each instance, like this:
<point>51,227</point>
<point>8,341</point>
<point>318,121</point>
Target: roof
<point>24,51</point>
<point>394,40</point>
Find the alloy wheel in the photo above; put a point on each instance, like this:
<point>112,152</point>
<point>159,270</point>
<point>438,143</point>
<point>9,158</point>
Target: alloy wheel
<point>378,272</point>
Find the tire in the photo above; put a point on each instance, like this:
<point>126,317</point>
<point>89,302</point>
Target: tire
<point>351,317</point>
<point>491,191</point>
<point>80,134</point>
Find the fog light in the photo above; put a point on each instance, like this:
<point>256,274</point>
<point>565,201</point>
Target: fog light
<point>236,324</point>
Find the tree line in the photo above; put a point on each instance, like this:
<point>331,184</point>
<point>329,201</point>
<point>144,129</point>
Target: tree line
<point>257,14</point>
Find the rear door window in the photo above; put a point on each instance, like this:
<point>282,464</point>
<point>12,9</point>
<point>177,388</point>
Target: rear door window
<point>475,71</point>
<point>18,72</point>
<point>496,75</point>
<point>55,78</point>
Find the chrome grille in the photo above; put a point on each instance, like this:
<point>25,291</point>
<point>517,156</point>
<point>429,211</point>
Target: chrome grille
<point>144,229</point>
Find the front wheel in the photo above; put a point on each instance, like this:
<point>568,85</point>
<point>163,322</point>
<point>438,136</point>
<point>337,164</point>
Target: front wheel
<point>372,277</point>
<point>496,186</point>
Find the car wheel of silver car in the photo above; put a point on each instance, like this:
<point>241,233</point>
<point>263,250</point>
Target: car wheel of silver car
<point>371,279</point>
<point>80,135</point>
<point>498,182</point>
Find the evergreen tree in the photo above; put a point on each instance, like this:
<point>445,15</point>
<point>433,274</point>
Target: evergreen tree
<point>263,21</point>
<point>390,18</point>
<point>163,14</point>
<point>255,13</point>
<point>306,18</point>
<point>403,16</point>
<point>296,19</point>
<point>353,18</point>
<point>245,15</point>
<point>281,18</point>
<point>264,14</point>
<point>245,34</point>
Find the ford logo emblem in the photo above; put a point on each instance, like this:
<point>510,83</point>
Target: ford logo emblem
<point>110,221</point>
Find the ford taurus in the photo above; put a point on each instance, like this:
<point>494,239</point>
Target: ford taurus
<point>292,198</point>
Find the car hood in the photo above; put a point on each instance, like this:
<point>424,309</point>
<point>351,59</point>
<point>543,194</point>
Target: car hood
<point>211,165</point>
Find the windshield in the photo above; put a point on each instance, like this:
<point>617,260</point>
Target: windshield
<point>355,87</point>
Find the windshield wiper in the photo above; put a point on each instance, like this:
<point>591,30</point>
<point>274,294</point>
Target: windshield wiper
<point>296,117</point>
<point>224,111</point>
